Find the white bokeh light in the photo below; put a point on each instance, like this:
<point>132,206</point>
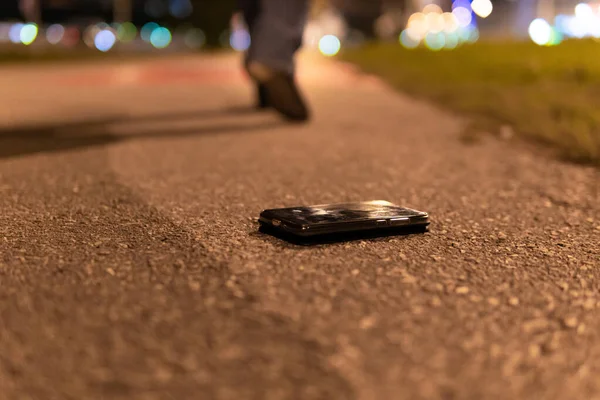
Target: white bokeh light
<point>463,16</point>
<point>329,45</point>
<point>540,31</point>
<point>483,8</point>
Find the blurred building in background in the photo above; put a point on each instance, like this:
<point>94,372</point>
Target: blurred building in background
<point>9,9</point>
<point>360,15</point>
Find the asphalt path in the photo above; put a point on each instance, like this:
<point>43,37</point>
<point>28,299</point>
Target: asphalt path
<point>131,266</point>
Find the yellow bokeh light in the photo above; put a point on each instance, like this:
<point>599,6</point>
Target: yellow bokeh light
<point>435,22</point>
<point>432,9</point>
<point>437,30</point>
<point>415,34</point>
<point>450,22</point>
<point>416,17</point>
<point>417,26</point>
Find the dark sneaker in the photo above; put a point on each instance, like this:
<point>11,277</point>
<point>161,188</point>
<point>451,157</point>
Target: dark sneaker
<point>281,92</point>
<point>261,93</point>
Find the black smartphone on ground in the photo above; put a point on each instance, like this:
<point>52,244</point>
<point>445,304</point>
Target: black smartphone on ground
<point>342,222</point>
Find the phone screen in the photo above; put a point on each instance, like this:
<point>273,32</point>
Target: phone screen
<point>337,213</point>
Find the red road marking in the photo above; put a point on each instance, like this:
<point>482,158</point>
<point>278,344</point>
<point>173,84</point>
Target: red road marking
<point>152,76</point>
<point>145,75</point>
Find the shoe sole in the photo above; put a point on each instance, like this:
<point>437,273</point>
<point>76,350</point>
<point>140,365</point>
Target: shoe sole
<point>261,91</point>
<point>280,92</point>
<point>283,95</point>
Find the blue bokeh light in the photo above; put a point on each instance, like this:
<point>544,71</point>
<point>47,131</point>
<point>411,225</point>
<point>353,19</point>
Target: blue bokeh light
<point>105,40</point>
<point>161,38</point>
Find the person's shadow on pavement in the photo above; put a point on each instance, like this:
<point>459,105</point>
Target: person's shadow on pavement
<point>50,138</point>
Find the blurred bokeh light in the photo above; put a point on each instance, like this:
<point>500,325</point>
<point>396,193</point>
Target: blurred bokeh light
<point>194,38</point>
<point>55,33</point>
<point>14,34</point>
<point>483,8</point>
<point>240,40</point>
<point>540,31</point>
<point>147,30</point>
<point>436,30</point>
<point>126,32</point>
<point>104,40</point>
<point>28,34</point>
<point>329,45</point>
<point>432,25</point>
<point>180,8</point>
<point>160,37</point>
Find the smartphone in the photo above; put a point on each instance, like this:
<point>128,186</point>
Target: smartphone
<point>343,221</point>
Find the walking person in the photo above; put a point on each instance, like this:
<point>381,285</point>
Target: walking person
<point>276,30</point>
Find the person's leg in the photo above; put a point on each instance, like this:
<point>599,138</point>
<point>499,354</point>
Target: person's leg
<point>250,10</point>
<point>276,35</point>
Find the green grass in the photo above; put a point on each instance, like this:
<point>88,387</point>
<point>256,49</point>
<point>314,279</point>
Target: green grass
<point>549,94</point>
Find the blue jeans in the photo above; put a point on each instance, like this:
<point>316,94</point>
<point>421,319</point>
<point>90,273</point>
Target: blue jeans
<point>276,30</point>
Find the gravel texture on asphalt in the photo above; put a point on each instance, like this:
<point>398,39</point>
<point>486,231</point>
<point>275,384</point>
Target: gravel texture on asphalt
<point>131,266</point>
